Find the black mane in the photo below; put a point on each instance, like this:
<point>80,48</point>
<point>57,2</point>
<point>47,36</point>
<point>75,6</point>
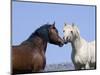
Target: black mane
<point>41,32</point>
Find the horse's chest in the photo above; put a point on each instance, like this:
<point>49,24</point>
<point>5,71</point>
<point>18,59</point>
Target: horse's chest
<point>38,61</point>
<point>82,56</point>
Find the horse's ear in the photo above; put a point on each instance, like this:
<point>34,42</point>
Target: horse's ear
<point>73,24</point>
<point>76,28</point>
<point>54,24</point>
<point>65,24</point>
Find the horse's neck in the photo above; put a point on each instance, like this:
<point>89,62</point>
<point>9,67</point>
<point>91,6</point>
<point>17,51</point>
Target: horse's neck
<point>76,44</point>
<point>37,42</point>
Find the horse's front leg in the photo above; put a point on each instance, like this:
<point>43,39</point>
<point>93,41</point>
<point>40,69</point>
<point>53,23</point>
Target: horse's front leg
<point>93,65</point>
<point>82,68</point>
<point>37,63</point>
<point>87,66</point>
<point>77,66</point>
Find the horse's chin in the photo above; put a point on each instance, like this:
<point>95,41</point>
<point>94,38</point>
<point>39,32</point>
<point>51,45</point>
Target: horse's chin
<point>60,45</point>
<point>65,42</point>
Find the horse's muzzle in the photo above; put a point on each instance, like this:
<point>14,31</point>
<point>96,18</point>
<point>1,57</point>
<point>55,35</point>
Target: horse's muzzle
<point>61,43</point>
<point>65,40</point>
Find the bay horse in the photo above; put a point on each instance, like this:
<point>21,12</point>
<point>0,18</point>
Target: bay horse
<point>83,52</point>
<point>29,56</point>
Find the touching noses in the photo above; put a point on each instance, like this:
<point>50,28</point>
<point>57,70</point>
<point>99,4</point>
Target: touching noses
<point>61,41</point>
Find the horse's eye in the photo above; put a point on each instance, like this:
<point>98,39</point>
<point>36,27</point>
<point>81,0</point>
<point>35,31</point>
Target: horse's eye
<point>71,31</point>
<point>54,28</point>
<point>63,30</point>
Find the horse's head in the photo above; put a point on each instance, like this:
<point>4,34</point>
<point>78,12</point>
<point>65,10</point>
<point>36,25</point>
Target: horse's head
<point>71,32</point>
<point>49,33</point>
<point>54,37</point>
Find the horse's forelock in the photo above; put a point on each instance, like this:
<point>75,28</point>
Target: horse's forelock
<point>73,28</point>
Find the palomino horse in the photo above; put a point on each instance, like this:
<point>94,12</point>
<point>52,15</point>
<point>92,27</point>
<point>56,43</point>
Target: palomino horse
<point>83,52</point>
<point>29,56</point>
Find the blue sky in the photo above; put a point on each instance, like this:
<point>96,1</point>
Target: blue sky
<point>27,17</point>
